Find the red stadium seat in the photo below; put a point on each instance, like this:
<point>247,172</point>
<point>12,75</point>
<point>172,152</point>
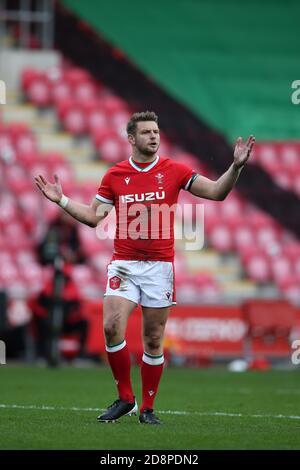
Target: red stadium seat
<point>119,121</point>
<point>111,151</point>
<point>63,106</point>
<point>221,238</point>
<point>257,219</point>
<point>101,134</point>
<point>28,76</point>
<point>74,121</point>
<point>281,269</point>
<point>243,237</point>
<point>113,104</point>
<point>267,155</point>
<point>39,92</point>
<point>53,159</point>
<point>33,273</point>
<point>266,236</point>
<point>290,155</point>
<point>6,143</point>
<point>27,159</point>
<point>292,250</point>
<point>15,229</point>
<point>232,207</point>
<point>284,180</point>
<point>9,272</point>
<point>25,144</point>
<point>16,179</point>
<point>74,76</point>
<point>257,268</point>
<point>5,256</point>
<point>96,121</point>
<point>25,257</point>
<point>8,209</point>
<point>85,92</point>
<point>16,130</point>
<point>31,201</point>
<point>60,91</point>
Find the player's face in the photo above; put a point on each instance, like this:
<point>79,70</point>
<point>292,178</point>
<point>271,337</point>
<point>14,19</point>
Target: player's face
<point>146,138</point>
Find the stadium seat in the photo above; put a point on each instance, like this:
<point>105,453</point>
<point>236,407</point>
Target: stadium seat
<point>243,237</point>
<point>28,75</point>
<point>113,104</point>
<point>8,210</point>
<point>266,236</point>
<point>74,76</point>
<point>281,269</point>
<point>111,151</point>
<point>85,92</point>
<point>266,155</point>
<point>257,268</point>
<point>221,238</point>
<point>39,92</point>
<point>74,121</point>
<point>60,91</point>
<point>96,121</point>
<point>284,180</point>
<point>16,130</point>
<point>290,155</point>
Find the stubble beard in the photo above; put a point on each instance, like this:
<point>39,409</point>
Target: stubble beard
<point>144,150</point>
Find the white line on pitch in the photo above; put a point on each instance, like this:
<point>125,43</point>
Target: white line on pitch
<point>167,412</point>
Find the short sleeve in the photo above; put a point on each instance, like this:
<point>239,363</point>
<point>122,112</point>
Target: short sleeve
<point>105,193</point>
<point>186,176</point>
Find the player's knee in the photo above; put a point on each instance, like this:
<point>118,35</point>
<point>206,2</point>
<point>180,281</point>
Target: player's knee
<point>153,341</point>
<point>110,331</point>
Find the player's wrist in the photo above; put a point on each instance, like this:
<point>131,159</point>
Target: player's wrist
<point>238,166</point>
<point>63,201</point>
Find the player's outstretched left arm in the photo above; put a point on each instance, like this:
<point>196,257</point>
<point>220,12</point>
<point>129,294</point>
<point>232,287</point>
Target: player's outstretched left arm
<point>218,190</point>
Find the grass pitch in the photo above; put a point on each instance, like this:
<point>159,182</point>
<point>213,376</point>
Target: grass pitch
<point>42,408</point>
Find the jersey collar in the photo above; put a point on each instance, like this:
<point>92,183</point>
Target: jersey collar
<point>147,168</point>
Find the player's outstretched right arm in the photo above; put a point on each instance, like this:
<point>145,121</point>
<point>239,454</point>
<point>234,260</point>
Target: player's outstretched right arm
<point>89,215</point>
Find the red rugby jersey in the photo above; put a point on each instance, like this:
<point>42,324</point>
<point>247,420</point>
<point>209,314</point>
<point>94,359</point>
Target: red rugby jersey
<point>142,198</point>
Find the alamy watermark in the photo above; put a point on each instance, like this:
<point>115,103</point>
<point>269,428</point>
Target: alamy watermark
<point>296,354</point>
<point>295,97</point>
<point>2,353</point>
<point>2,92</point>
<point>138,221</point>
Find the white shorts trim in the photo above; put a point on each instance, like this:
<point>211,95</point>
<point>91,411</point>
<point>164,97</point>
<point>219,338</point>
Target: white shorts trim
<point>148,283</point>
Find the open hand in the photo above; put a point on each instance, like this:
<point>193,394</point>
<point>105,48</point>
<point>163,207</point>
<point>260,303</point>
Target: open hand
<point>52,191</point>
<point>242,151</point>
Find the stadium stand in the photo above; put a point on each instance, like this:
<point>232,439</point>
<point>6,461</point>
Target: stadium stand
<point>236,226</point>
<point>65,121</point>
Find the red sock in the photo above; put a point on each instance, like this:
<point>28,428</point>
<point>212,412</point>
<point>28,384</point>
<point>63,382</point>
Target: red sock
<point>119,360</point>
<point>151,370</point>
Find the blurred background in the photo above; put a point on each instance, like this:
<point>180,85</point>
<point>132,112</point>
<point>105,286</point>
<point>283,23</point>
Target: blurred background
<point>74,73</point>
